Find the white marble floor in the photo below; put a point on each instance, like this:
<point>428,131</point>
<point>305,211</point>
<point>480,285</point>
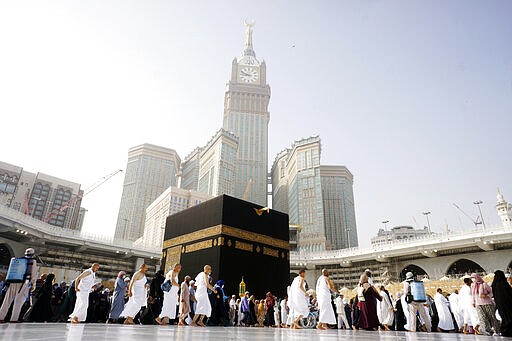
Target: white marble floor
<point>111,332</point>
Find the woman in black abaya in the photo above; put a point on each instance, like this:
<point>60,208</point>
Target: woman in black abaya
<point>42,311</point>
<point>502,293</point>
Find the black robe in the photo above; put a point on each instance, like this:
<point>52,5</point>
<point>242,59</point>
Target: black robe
<point>156,294</point>
<point>41,311</point>
<point>252,319</point>
<point>400,319</point>
<point>219,315</point>
<point>502,293</point>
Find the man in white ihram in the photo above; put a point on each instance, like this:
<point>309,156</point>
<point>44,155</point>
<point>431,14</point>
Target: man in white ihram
<point>323,297</point>
<point>203,306</point>
<point>83,286</point>
<point>137,294</point>
<point>443,310</point>
<point>455,307</point>
<point>298,300</point>
<point>170,297</point>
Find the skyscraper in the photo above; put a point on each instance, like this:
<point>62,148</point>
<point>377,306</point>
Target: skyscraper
<point>190,170</point>
<point>217,161</point>
<point>319,199</point>
<point>246,115</point>
<point>338,205</point>
<point>150,171</point>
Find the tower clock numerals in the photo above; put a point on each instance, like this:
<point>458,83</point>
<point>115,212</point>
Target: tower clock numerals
<point>249,75</point>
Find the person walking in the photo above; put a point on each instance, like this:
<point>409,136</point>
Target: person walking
<point>298,299</point>
<point>481,294</point>
<point>41,310</point>
<point>269,303</point>
<point>203,307</point>
<point>192,290</point>
<point>503,297</point>
<point>284,311</point>
<point>414,307</point>
<point>232,310</point>
<point>171,299</point>
<point>244,310</point>
<point>469,311</point>
<point>184,301</point>
<point>368,296</point>
<point>457,312</point>
<point>386,311</point>
<point>324,287</point>
<point>118,297</point>
<point>83,285</point>
<point>156,294</point>
<point>443,311</point>
<point>19,288</point>
<point>137,295</point>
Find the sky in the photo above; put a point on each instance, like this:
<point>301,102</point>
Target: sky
<point>414,97</point>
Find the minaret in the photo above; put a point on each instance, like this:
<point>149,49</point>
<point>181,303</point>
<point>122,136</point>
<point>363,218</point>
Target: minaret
<point>246,115</point>
<point>504,210</point>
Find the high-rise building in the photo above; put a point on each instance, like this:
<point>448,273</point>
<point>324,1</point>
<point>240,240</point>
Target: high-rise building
<point>338,204</point>
<point>81,217</point>
<point>190,170</point>
<point>171,201</point>
<point>246,115</point>
<point>217,170</point>
<point>42,196</point>
<point>318,199</point>
<point>149,172</point>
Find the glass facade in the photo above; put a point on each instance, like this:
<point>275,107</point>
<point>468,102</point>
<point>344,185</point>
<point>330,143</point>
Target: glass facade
<point>252,130</point>
<point>339,211</point>
<point>319,199</point>
<point>217,170</point>
<point>149,172</point>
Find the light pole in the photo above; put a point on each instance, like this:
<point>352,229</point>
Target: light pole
<point>386,229</point>
<point>428,221</point>
<point>478,203</point>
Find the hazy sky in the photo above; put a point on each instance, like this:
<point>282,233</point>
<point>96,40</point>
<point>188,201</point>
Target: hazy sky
<point>414,97</point>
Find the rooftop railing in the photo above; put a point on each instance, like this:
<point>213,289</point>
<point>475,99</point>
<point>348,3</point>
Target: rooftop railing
<point>28,222</point>
<point>426,241</point>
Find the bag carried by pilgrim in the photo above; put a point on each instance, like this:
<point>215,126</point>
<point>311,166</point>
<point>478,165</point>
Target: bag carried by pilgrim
<point>416,293</point>
<point>19,270</point>
<point>166,285</point>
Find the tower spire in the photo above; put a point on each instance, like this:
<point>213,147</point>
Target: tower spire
<point>248,51</point>
<point>500,197</point>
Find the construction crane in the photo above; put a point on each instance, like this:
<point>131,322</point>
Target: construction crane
<point>86,191</point>
<point>476,221</point>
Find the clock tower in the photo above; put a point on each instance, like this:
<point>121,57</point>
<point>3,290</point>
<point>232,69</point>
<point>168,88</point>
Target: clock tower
<point>246,115</point>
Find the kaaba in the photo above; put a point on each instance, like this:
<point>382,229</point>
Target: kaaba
<point>237,238</point>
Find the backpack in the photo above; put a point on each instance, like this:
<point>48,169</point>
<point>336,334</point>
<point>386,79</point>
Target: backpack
<point>166,286</point>
<point>20,269</point>
<point>418,292</point>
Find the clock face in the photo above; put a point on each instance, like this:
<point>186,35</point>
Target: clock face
<point>249,75</point>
